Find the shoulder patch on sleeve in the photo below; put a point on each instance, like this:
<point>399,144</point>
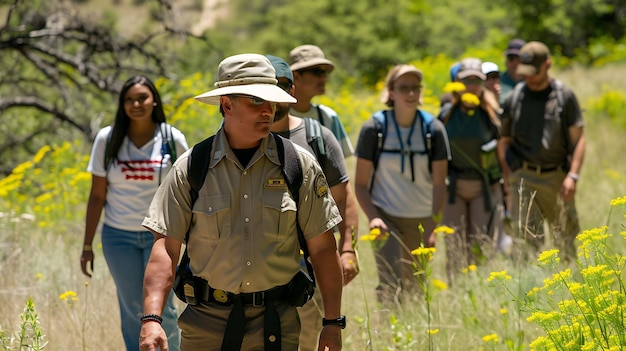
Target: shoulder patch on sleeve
<point>321,186</point>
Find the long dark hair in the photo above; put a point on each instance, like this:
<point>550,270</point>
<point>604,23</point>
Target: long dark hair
<point>122,121</point>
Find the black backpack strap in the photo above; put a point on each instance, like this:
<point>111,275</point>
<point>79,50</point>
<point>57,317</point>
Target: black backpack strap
<point>197,169</point>
<point>380,126</point>
<point>427,130</point>
<point>557,87</point>
<point>292,171</point>
<point>314,137</point>
<point>320,117</point>
<point>515,107</point>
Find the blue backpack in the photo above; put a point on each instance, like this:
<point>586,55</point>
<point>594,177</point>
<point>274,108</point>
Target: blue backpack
<point>380,121</point>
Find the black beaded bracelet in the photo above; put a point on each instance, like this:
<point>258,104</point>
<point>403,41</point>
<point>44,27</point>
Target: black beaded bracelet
<point>152,317</point>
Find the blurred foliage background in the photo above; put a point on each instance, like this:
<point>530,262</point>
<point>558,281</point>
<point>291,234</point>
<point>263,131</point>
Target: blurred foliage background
<point>62,61</point>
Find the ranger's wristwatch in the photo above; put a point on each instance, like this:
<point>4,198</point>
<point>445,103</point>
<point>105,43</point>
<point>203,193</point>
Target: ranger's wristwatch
<point>341,321</point>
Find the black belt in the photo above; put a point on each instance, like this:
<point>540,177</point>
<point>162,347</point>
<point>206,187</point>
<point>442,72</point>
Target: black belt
<point>255,299</point>
<point>235,326</point>
<point>539,168</point>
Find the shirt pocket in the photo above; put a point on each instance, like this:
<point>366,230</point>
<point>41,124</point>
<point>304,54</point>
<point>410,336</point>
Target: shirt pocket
<point>279,215</point>
<point>212,216</point>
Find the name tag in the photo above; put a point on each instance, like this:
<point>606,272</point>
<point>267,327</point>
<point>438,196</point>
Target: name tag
<point>275,183</point>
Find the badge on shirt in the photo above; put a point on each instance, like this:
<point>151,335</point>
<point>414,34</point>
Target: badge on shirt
<point>275,183</point>
<point>321,186</point>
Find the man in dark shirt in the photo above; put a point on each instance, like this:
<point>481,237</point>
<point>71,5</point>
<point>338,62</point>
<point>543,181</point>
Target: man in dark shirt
<point>543,147</point>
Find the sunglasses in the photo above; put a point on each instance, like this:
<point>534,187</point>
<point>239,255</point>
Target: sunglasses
<point>317,71</point>
<point>405,89</point>
<point>475,81</point>
<point>256,101</point>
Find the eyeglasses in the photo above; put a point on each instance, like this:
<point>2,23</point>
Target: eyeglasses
<point>256,101</point>
<point>286,86</point>
<point>405,89</point>
<point>475,81</point>
<point>317,71</point>
<point>512,57</point>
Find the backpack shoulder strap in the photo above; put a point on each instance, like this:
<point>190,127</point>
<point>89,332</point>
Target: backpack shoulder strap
<point>427,130</point>
<point>292,171</point>
<point>515,107</point>
<point>314,136</point>
<point>558,88</point>
<point>320,116</point>
<point>197,169</point>
<point>170,143</point>
<point>380,125</point>
<point>446,112</point>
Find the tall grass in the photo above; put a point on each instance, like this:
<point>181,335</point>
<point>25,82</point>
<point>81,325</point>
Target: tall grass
<point>40,258</point>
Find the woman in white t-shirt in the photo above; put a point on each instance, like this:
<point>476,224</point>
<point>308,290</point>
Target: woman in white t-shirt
<point>402,161</point>
<point>128,162</point>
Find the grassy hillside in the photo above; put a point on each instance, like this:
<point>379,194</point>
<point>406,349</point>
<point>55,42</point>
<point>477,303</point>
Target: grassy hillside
<point>41,228</point>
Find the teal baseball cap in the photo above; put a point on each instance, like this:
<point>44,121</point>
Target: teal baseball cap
<point>281,67</point>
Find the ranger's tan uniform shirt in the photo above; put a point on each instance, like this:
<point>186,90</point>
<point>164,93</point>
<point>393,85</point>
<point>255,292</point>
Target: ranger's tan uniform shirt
<point>243,234</point>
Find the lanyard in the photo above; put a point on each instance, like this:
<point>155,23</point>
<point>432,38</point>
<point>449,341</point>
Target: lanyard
<point>408,151</point>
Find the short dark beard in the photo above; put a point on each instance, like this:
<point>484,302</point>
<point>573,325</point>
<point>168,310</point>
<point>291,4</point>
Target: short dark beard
<point>282,110</point>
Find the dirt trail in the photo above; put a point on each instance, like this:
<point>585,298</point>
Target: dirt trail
<point>212,11</point>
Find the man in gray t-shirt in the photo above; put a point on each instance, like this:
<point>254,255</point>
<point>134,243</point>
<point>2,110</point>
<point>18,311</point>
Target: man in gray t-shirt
<point>334,167</point>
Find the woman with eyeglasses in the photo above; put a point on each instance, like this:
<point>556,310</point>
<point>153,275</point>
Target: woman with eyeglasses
<point>474,201</point>
<point>128,161</point>
<point>402,159</point>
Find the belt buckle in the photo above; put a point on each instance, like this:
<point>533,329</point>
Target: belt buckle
<point>261,294</point>
<point>221,297</point>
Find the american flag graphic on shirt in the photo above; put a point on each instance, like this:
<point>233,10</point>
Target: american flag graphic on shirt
<point>139,170</point>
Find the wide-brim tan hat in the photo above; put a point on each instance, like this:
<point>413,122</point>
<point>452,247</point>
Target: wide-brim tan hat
<point>247,74</point>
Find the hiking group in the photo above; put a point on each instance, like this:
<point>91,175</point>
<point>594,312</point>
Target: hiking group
<point>268,213</point>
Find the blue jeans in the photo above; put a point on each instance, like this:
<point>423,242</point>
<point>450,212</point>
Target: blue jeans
<point>126,254</point>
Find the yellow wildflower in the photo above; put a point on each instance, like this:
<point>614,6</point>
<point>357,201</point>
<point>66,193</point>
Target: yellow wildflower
<point>470,268</point>
<point>433,331</point>
<point>503,311</point>
<point>454,87</point>
<point>444,230</point>
<point>426,252</point>
<point>620,201</point>
<point>440,285</point>
<point>549,257</point>
<point>490,337</point>
<point>593,271</point>
<point>68,296</point>
<point>502,275</point>
<point>540,316</point>
<point>470,99</point>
